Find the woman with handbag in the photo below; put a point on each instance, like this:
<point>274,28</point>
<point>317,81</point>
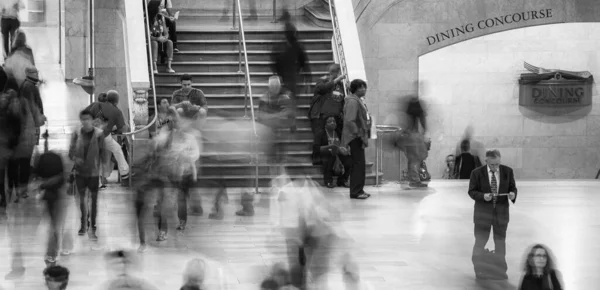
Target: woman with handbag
<point>540,270</point>
<point>336,161</point>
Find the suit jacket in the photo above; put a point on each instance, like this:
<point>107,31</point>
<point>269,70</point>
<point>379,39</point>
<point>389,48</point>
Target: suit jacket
<point>480,184</point>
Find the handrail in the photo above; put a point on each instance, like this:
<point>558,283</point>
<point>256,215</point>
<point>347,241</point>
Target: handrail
<point>151,74</point>
<point>249,89</point>
<point>338,43</point>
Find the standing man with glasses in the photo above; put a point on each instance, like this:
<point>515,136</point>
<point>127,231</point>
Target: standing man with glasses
<point>491,187</point>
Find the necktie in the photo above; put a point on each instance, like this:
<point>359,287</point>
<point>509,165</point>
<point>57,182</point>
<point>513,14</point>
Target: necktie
<point>494,185</point>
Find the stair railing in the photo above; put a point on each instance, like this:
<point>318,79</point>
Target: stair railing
<point>339,47</point>
<point>249,96</point>
<point>131,135</point>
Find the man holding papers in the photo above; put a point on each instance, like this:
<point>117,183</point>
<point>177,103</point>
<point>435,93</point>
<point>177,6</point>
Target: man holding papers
<point>491,187</point>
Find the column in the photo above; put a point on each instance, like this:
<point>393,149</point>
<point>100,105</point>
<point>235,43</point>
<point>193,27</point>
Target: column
<point>75,41</point>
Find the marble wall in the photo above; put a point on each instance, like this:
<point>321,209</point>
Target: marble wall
<point>110,72</point>
<point>393,36</point>
<point>475,83</point>
<point>75,40</point>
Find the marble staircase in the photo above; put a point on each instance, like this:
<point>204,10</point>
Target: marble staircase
<point>209,52</point>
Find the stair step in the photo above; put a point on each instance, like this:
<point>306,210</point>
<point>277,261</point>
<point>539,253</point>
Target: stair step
<point>227,88</point>
<point>233,66</point>
<point>309,44</point>
<point>230,77</point>
<point>234,55</point>
<point>191,33</point>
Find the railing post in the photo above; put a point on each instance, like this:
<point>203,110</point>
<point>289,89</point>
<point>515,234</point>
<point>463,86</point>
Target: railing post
<point>234,14</point>
<point>274,11</point>
<point>239,51</point>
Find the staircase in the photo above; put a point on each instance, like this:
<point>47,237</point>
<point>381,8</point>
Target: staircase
<point>210,55</point>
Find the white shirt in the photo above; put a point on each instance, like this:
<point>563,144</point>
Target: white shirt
<point>490,173</point>
<point>165,4</point>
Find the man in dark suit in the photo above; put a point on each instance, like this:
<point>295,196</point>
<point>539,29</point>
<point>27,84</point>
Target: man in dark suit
<point>491,186</point>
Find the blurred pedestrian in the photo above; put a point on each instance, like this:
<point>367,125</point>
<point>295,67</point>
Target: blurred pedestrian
<point>476,148</point>
<point>20,46</point>
<point>540,270</point>
<point>57,277</point>
<point>120,263</point>
<point>87,150</point>
<point>466,161</point>
<point>288,63</point>
<point>10,130</point>
<point>412,141</point>
<point>49,169</point>
<point>193,276</point>
<point>10,21</point>
<point>356,133</point>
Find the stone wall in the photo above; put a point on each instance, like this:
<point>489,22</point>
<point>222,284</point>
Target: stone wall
<point>394,36</point>
<point>474,83</point>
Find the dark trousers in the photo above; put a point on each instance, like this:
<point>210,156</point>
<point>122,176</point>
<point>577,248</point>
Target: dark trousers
<point>358,171</point>
<point>144,202</point>
<point>83,184</point>
<point>163,215</point>
<point>482,234</point>
<point>172,26</point>
<point>317,125</point>
<point>4,197</point>
<point>9,28</point>
<point>19,171</point>
<point>328,162</point>
<point>183,195</point>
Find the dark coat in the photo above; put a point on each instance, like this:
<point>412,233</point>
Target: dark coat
<point>480,184</point>
<point>550,281</point>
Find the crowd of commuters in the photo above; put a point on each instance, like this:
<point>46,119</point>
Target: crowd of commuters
<point>341,127</point>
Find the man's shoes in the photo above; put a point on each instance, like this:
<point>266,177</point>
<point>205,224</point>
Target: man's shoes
<point>65,253</point>
<point>181,226</point>
<point>330,185</point>
<point>175,49</point>
<point>360,196</point>
<point>15,273</point>
<point>82,231</point>
<point>143,248</point>
<point>162,236</point>
<point>417,184</point>
<point>92,235</point>
<point>345,184</point>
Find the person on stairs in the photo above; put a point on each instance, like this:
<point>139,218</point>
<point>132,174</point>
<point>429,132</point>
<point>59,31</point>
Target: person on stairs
<point>166,6</point>
<point>328,100</point>
<point>288,65</point>
<point>159,36</point>
<point>87,150</point>
<point>190,101</point>
<point>332,153</point>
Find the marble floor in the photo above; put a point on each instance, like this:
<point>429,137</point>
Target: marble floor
<point>402,239</point>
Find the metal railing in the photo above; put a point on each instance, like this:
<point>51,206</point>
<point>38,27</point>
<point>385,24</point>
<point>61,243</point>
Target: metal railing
<point>337,39</point>
<point>249,96</point>
<point>131,135</point>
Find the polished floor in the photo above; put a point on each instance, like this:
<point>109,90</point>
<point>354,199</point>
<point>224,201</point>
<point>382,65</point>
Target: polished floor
<point>402,239</point>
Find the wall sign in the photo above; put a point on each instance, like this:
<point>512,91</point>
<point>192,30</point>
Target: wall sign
<point>489,23</point>
<point>555,88</point>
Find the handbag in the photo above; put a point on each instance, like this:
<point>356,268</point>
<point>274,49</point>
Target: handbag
<point>338,167</point>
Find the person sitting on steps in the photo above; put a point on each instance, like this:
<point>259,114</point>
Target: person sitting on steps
<point>331,152</point>
<point>159,36</point>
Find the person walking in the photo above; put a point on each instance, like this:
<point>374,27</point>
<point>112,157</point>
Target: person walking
<point>10,22</point>
<point>356,131</point>
<point>491,187</point>
<point>108,117</point>
<point>86,150</point>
